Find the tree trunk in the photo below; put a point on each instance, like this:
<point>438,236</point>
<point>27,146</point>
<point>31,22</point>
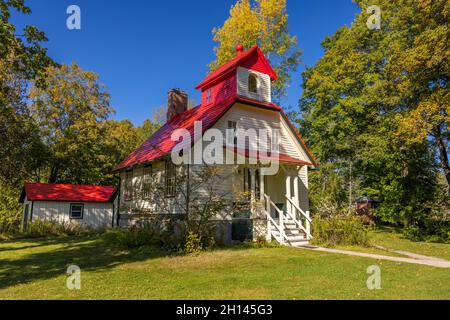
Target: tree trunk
<point>53,173</point>
<point>443,155</point>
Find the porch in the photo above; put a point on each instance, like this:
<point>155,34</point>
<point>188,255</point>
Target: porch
<point>280,207</point>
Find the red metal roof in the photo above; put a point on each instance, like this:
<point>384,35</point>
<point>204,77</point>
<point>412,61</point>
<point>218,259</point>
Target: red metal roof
<point>67,192</point>
<point>236,62</point>
<point>160,144</point>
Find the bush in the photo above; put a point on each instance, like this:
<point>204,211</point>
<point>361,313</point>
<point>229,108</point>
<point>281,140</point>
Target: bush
<point>10,209</point>
<point>340,230</point>
<point>151,233</point>
<point>438,232</point>
<point>193,244</point>
<point>43,229</point>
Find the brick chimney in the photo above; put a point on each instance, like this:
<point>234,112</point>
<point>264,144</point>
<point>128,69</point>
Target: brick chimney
<point>177,103</point>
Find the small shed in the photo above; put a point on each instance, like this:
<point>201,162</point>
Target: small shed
<point>86,205</point>
<point>364,206</point>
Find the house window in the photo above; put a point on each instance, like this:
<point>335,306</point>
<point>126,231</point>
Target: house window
<point>128,192</point>
<point>171,179</point>
<point>208,95</point>
<point>253,83</point>
<point>147,183</point>
<point>232,139</point>
<point>248,182</point>
<point>76,211</point>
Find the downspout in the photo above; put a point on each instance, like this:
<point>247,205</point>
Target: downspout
<point>118,203</point>
<point>188,191</point>
<point>31,214</point>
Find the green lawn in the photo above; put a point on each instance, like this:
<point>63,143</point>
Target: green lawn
<point>35,269</point>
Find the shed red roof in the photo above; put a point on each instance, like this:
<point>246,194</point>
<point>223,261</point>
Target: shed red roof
<point>67,192</point>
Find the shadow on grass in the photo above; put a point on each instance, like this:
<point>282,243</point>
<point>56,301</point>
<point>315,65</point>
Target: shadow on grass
<point>89,253</point>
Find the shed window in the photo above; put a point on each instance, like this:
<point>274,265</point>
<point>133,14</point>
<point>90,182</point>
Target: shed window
<point>76,211</point>
<point>253,83</point>
<point>171,179</point>
<point>128,192</point>
<point>147,183</point>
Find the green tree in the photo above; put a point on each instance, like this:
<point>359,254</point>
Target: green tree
<point>361,95</point>
<point>71,109</point>
<point>262,22</point>
<point>22,59</point>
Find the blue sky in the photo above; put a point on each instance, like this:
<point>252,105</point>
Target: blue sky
<point>143,48</point>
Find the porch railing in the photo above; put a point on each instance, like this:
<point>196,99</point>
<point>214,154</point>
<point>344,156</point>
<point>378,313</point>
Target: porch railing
<point>301,219</point>
<point>297,215</point>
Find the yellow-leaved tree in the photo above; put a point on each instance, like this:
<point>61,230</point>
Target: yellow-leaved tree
<point>265,23</point>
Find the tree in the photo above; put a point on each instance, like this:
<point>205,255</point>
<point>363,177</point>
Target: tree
<point>71,108</point>
<point>366,92</point>
<point>262,22</point>
<point>22,59</point>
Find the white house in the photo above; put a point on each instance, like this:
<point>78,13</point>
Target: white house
<point>88,206</point>
<point>237,97</point>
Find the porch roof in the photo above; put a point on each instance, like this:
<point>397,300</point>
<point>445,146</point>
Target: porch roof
<point>280,157</point>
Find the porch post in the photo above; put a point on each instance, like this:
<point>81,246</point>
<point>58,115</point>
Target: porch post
<point>288,191</point>
<point>252,187</point>
<point>262,187</point>
<point>296,193</point>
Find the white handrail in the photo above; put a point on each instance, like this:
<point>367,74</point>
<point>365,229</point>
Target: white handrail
<point>299,223</point>
<point>299,210</point>
<point>280,226</point>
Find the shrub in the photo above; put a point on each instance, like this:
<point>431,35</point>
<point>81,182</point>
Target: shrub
<point>193,244</point>
<point>149,233</point>
<point>431,231</point>
<point>340,230</point>
<point>43,229</point>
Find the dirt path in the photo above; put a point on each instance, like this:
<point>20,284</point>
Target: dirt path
<point>413,258</point>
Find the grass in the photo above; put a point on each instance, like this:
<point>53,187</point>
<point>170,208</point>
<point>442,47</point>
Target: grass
<point>36,269</point>
<point>390,238</point>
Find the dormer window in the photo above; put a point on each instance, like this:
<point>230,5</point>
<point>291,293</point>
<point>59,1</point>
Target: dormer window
<point>208,95</point>
<point>253,83</point>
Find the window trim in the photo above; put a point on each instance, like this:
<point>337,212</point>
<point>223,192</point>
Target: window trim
<point>71,211</point>
<point>233,125</point>
<point>257,80</point>
<point>170,182</point>
<point>147,177</point>
<point>208,96</point>
<point>128,194</point>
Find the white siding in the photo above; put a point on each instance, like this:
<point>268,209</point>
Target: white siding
<point>249,117</point>
<point>223,186</point>
<point>264,85</point>
<point>96,215</point>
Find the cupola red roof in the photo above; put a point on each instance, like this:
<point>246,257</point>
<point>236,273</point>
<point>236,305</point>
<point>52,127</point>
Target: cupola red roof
<point>249,59</point>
